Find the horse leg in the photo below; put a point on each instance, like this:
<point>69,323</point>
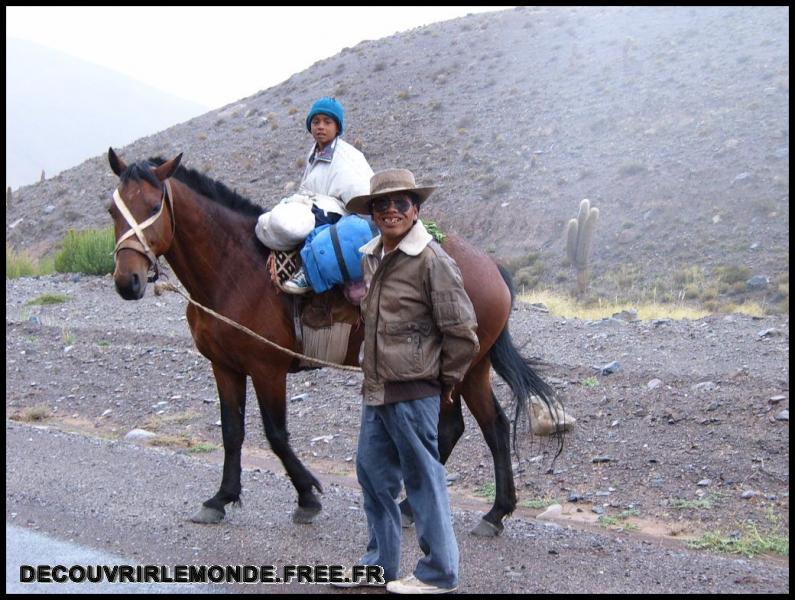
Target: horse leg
<point>271,393</point>
<point>451,427</point>
<point>232,394</point>
<point>476,389</point>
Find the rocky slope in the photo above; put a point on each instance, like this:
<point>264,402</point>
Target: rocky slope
<point>674,122</point>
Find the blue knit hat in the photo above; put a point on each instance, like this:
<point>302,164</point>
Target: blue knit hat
<point>326,106</point>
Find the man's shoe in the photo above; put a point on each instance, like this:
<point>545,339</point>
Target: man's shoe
<point>546,422</point>
<point>297,284</point>
<point>412,585</point>
<point>351,583</point>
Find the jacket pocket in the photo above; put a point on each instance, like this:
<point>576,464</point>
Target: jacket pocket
<point>403,349</point>
<point>446,309</point>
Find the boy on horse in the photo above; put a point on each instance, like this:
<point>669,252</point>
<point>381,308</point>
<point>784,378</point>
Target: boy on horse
<point>334,169</point>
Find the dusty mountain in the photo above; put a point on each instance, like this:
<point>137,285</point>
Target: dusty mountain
<point>674,122</point>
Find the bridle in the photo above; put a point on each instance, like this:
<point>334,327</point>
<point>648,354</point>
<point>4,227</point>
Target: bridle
<point>139,245</point>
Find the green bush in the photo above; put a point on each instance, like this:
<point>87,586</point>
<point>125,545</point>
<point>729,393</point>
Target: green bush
<point>18,264</point>
<point>89,252</point>
<point>21,264</point>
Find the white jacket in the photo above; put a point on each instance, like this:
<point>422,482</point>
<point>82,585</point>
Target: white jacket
<point>328,185</point>
<point>346,176</point>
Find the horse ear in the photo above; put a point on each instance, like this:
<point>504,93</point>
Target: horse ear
<point>167,169</point>
<point>117,164</point>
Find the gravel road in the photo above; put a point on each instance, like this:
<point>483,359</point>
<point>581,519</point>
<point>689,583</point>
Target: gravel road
<point>651,464</point>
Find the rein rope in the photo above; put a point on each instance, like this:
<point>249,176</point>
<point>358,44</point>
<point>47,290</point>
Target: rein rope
<point>169,287</point>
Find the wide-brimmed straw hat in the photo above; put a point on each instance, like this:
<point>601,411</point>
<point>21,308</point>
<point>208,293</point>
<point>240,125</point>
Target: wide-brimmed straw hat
<point>388,182</point>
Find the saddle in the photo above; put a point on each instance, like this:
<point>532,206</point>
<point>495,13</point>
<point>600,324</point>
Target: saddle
<point>323,322</point>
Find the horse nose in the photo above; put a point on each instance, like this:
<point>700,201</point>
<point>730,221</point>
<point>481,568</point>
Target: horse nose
<point>133,290</point>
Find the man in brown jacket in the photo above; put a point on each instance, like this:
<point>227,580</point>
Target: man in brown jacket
<point>420,337</point>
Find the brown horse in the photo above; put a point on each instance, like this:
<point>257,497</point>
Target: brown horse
<point>206,233</point>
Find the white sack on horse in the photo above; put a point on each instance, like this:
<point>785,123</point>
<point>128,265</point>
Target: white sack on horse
<point>289,222</point>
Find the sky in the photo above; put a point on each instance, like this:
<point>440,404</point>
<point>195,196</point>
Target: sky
<point>215,55</point>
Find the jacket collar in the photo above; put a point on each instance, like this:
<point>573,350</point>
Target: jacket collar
<point>325,155</point>
<point>413,244</point>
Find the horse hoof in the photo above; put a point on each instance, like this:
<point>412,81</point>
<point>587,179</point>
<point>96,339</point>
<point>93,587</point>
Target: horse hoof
<point>305,515</point>
<point>486,529</point>
<point>207,515</point>
<point>406,521</point>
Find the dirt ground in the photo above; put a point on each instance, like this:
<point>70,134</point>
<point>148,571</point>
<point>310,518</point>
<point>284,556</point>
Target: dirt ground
<point>706,450</point>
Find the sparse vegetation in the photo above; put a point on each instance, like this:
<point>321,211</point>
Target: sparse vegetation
<point>618,520</point>
<point>68,337</point>
<point>46,299</point>
<point>733,274</point>
<point>600,308</point>
<point>750,542</point>
<point>700,504</point>
<point>20,264</point>
<point>33,414</point>
<point>487,490</point>
<point>201,447</point>
<point>89,252</point>
<point>171,441</point>
<point>157,422</point>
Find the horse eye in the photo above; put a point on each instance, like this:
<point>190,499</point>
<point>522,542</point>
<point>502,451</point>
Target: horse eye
<point>155,210</point>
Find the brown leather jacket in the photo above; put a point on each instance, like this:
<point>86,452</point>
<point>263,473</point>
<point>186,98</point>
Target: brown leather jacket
<point>420,327</point>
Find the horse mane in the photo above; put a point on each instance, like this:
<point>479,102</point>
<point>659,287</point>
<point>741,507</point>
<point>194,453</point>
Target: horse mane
<point>199,182</point>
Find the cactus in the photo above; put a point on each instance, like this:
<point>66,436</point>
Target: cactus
<point>571,241</point>
<point>579,235</point>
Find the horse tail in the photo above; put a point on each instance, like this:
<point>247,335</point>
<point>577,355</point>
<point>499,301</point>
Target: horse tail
<point>518,373</point>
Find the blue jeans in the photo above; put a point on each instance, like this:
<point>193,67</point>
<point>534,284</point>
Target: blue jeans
<point>399,441</point>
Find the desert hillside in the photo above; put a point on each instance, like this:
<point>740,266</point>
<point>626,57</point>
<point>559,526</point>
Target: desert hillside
<point>674,122</point>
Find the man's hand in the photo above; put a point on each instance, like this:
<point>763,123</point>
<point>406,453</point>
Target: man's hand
<point>447,394</point>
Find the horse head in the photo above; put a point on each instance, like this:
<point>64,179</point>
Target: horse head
<point>144,229</point>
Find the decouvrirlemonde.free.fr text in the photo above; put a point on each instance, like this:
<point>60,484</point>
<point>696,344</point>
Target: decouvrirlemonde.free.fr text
<point>199,574</point>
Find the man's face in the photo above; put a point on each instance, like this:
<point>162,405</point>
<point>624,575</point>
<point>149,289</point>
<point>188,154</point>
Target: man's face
<point>324,129</point>
<point>394,215</point>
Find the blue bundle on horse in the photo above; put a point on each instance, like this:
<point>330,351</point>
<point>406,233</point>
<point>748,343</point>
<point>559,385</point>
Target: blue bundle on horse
<point>204,230</point>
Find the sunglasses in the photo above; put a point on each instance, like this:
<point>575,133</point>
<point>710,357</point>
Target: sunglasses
<point>402,204</point>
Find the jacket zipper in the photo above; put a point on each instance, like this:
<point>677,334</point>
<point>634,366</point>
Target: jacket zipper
<point>378,312</point>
